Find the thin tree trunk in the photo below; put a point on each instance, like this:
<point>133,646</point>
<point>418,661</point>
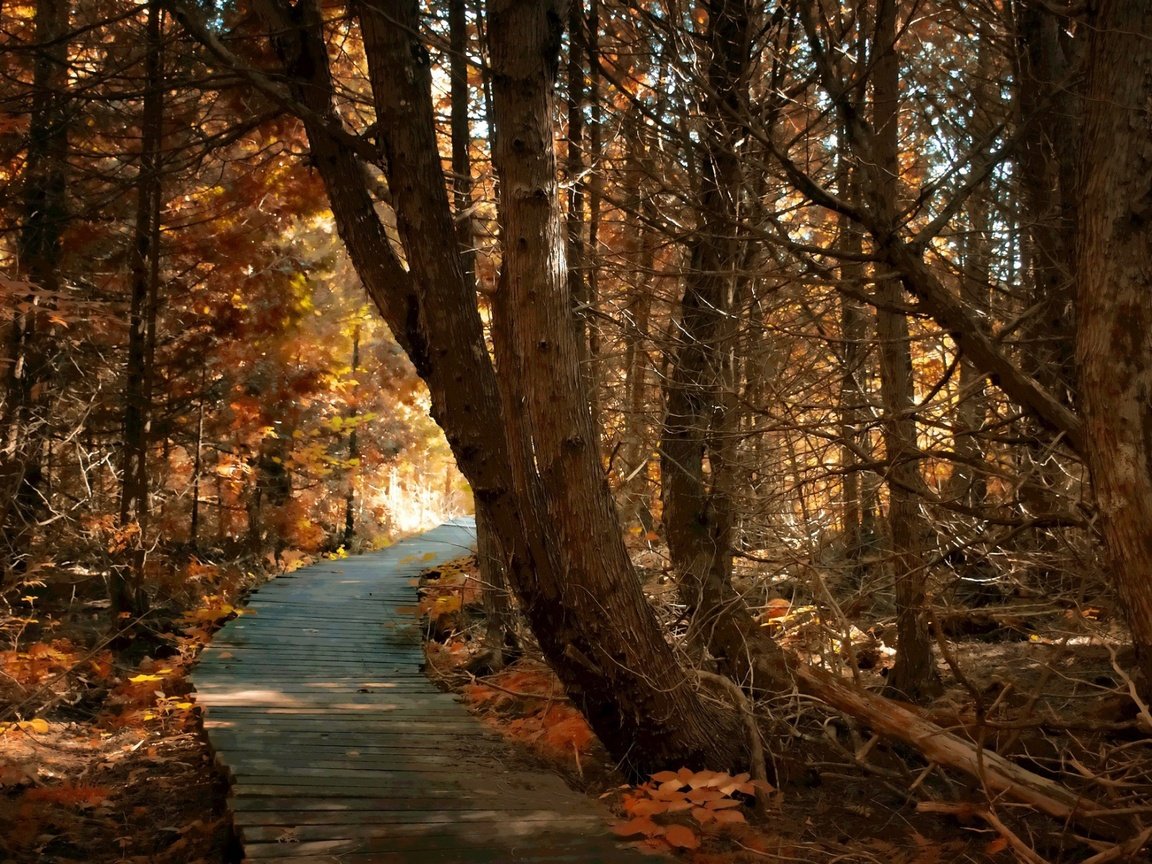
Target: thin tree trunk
<point>197,465</point>
<point>353,455</point>
<point>853,323</point>
<point>574,171</point>
<point>45,212</point>
<point>595,193</point>
<point>494,592</point>
<point>126,580</point>
<point>913,673</point>
<point>695,460</point>
<point>1114,336</point>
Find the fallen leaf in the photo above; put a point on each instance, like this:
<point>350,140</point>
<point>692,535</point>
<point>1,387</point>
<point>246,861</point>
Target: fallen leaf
<point>703,816</point>
<point>995,847</point>
<point>640,826</point>
<point>681,837</point>
<point>729,817</point>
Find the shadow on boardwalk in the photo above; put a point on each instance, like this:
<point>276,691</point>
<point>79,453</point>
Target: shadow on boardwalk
<point>340,750</point>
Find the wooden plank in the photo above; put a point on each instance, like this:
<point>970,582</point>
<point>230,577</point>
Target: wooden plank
<point>402,762</point>
<point>481,856</point>
<point>356,804</point>
<point>543,846</point>
<point>431,835</point>
<point>281,704</point>
<point>422,798</point>
<point>478,818</point>
<point>423,710</point>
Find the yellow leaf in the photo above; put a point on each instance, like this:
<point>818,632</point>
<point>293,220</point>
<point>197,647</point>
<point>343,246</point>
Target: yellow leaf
<point>140,679</point>
<point>38,726</point>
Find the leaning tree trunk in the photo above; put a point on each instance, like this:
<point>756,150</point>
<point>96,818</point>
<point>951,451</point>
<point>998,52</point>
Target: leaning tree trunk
<point>555,453</point>
<point>553,513</point>
<point>1114,273</point>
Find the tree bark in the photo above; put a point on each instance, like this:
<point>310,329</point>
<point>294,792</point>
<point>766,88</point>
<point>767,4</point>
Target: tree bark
<point>694,456</point>
<point>565,556</point>
<point>555,452</point>
<point>45,213</point>
<point>913,675</point>
<point>353,470</point>
<point>126,580</point>
<point>1114,275</point>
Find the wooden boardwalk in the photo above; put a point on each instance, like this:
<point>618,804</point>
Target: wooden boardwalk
<point>341,752</point>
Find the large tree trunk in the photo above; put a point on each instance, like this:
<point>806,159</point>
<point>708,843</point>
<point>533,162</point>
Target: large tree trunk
<point>1114,273</point>
<point>555,452</point>
<point>565,555</point>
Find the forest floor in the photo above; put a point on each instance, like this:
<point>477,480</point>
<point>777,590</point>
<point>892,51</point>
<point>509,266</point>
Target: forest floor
<point>101,757</point>
<point>102,761</point>
<point>843,797</point>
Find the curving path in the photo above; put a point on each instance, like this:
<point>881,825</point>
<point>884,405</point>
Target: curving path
<point>341,752</point>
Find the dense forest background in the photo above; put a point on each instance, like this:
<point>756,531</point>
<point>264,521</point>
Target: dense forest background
<point>831,317</point>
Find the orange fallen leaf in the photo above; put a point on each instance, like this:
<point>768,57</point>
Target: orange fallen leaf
<point>640,826</point>
<point>995,847</point>
<point>681,837</point>
<point>730,817</point>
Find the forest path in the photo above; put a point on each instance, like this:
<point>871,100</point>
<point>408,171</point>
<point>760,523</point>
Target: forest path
<point>340,750</point>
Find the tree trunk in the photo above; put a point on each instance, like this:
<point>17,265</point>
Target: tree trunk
<point>697,436</point>
<point>913,674</point>
<point>566,558</point>
<point>499,628</point>
<point>45,212</point>
<point>126,580</point>
<point>555,452</point>
<point>353,455</point>
<point>1114,274</point>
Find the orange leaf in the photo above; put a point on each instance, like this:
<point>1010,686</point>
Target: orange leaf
<point>996,846</point>
<point>727,816</point>
<point>645,807</point>
<point>702,796</point>
<point>703,778</point>
<point>640,826</point>
<point>718,779</point>
<point>664,776</point>
<point>777,608</point>
<point>702,816</point>
<point>681,837</point>
<point>722,804</point>
<point>685,775</point>
<point>671,785</point>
